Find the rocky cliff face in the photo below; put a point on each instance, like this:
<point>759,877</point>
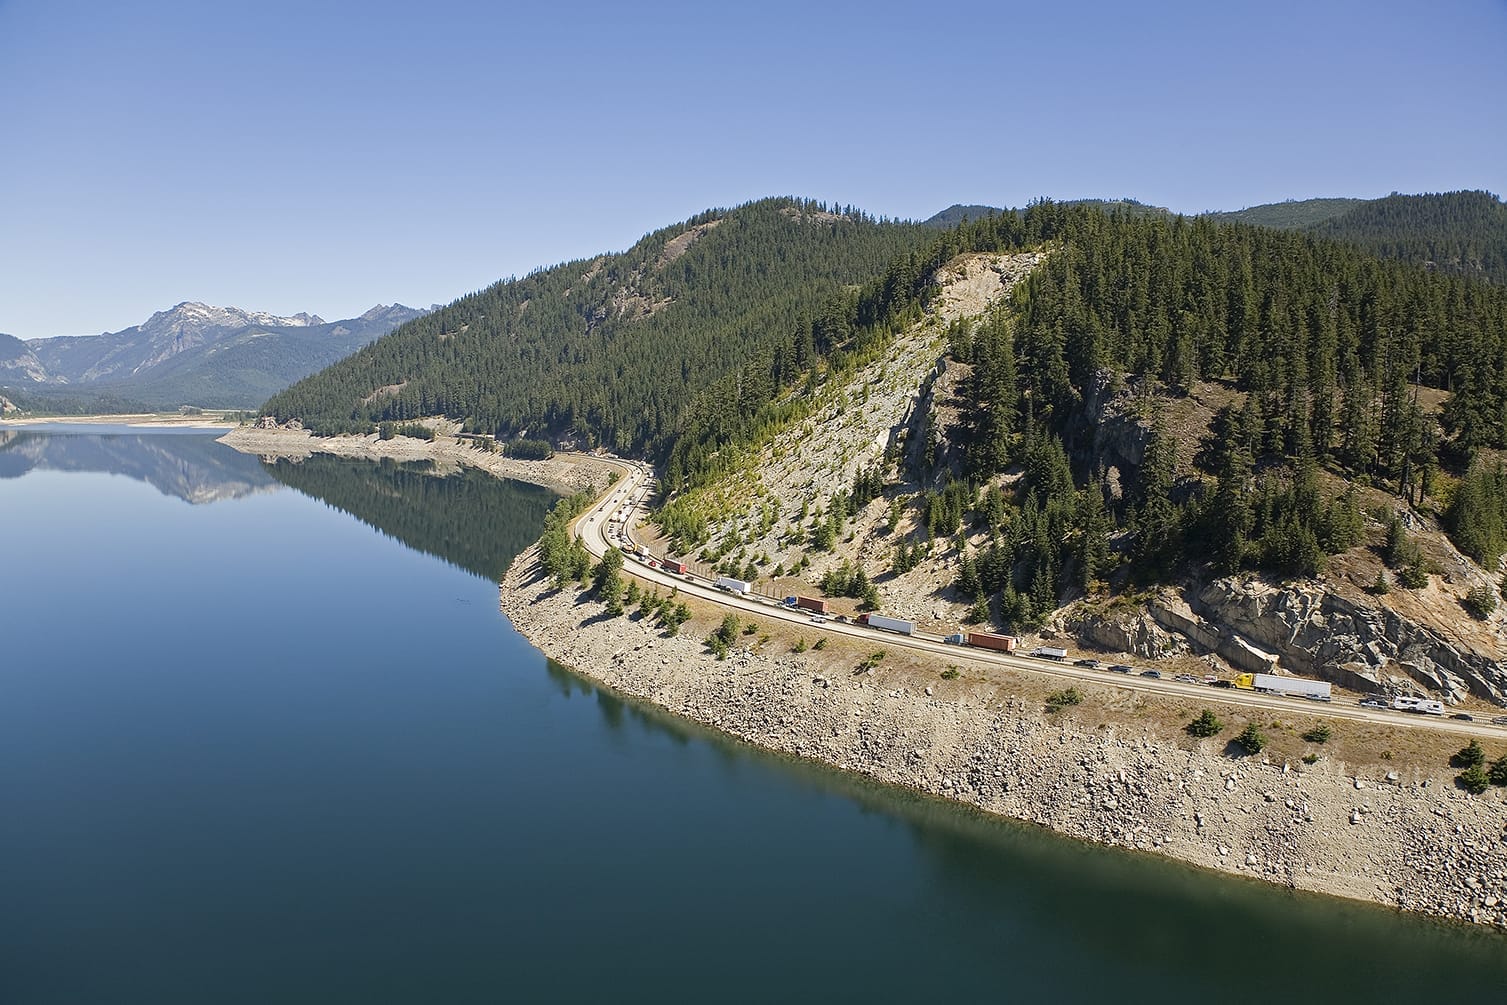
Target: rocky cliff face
<point>1306,628</point>
<point>1366,646</point>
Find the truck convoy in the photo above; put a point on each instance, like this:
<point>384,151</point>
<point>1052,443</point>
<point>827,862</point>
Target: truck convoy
<point>813,604</point>
<point>732,585</point>
<point>888,624</point>
<point>1273,684</point>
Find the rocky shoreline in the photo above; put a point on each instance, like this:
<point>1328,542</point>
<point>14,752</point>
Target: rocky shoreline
<point>566,473</point>
<point>1406,839</point>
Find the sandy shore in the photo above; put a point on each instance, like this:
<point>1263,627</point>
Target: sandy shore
<point>1406,838</point>
<point>140,419</point>
<point>565,473</point>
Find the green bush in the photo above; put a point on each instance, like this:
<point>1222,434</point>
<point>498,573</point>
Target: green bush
<point>1310,758</point>
<point>1252,739</point>
<point>1319,734</point>
<point>951,673</point>
<point>1480,602</point>
<point>1469,756</point>
<point>530,450</point>
<point>727,632</point>
<point>821,643</point>
<point>1498,772</point>
<point>1207,724</point>
<point>1473,780</point>
<point>1414,577</point>
<point>1058,700</point>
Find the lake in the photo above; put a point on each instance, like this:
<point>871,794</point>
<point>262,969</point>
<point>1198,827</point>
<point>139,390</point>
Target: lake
<point>264,737</point>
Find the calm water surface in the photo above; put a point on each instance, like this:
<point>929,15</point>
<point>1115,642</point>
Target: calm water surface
<point>265,738</point>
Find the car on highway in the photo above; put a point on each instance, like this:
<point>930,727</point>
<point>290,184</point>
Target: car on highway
<point>1187,678</point>
<point>1373,703</point>
<point>1091,664</point>
<point>1500,720</point>
<point>1463,717</point>
<point>843,619</point>
<point>1318,697</point>
<point>817,619</point>
<point>1155,674</point>
<point>1121,668</point>
<point>1222,683</point>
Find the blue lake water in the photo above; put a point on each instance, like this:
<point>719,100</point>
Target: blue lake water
<point>278,745</point>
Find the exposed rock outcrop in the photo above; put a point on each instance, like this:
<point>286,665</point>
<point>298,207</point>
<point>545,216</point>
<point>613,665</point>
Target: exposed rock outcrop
<point>1314,630</point>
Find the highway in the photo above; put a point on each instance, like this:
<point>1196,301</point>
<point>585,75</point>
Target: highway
<point>626,499</point>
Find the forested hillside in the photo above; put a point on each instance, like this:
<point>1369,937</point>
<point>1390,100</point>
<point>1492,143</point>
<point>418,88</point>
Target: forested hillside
<point>1293,214</point>
<point>1463,233</point>
<point>610,350</point>
<point>1327,363</point>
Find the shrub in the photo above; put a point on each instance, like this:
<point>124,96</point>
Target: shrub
<point>530,450</point>
<point>1058,700</point>
<point>799,647</point>
<point>821,643</point>
<point>1473,780</point>
<point>1252,739</point>
<point>727,632</point>
<point>1319,734</point>
<point>1480,602</point>
<point>1414,577</point>
<point>1310,758</point>
<point>1207,724</point>
<point>951,673</point>
<point>1498,772</point>
<point>1469,756</point>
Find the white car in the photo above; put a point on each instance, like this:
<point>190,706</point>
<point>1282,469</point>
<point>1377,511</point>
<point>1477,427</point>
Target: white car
<point>817,619</point>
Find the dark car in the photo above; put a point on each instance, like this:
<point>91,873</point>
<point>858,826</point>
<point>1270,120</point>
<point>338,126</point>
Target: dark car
<point>1121,668</point>
<point>1500,720</point>
<point>1222,683</point>
<point>1152,673</point>
<point>1091,664</point>
<point>1463,717</point>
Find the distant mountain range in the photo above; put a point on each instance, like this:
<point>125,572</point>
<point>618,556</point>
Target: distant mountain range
<point>192,354</point>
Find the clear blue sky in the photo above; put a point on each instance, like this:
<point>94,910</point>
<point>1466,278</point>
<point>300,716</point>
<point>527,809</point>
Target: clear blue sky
<point>317,156</point>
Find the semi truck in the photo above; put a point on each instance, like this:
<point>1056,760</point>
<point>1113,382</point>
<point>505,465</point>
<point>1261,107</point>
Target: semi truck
<point>732,585</point>
<point>1049,653</point>
<point>1001,643</point>
<point>956,639</point>
<point>676,566</point>
<point>1273,684</point>
<point>814,604</point>
<point>887,624</point>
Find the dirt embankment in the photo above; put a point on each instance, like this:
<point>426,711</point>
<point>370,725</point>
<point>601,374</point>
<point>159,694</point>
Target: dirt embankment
<point>1405,838</point>
<point>564,472</point>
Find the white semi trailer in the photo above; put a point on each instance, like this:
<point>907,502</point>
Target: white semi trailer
<point>888,624</point>
<point>1290,685</point>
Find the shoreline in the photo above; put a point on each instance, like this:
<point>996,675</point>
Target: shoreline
<point>1406,840</point>
<point>137,420</point>
<point>563,473</point>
